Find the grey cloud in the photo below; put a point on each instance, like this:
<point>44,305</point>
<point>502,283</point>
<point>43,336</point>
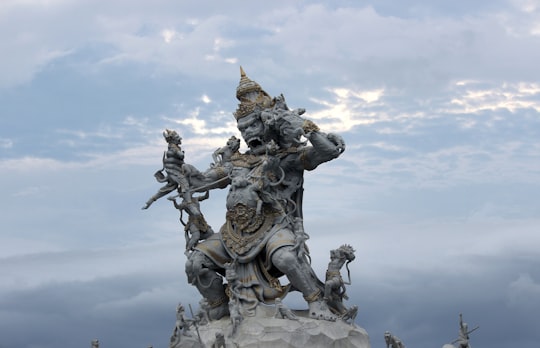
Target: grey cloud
<point>423,308</point>
<point>360,44</point>
<point>65,314</point>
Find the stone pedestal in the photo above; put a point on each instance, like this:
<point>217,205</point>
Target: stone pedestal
<point>263,330</point>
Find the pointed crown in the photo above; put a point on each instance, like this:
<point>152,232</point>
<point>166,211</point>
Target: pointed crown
<point>246,106</point>
<point>246,85</point>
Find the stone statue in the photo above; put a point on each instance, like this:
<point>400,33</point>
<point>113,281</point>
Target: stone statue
<point>263,204</point>
<point>196,228</point>
<point>260,253</point>
<point>300,238</point>
<point>202,313</point>
<point>220,341</point>
<point>463,334</point>
<point>177,173</point>
<point>223,155</point>
<point>95,343</point>
<point>392,341</point>
<point>334,286</point>
<point>282,312</point>
<point>235,315</point>
<point>233,282</point>
<point>181,327</point>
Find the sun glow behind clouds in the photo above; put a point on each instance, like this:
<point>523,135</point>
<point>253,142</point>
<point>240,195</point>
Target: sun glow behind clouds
<point>348,109</point>
<point>206,99</point>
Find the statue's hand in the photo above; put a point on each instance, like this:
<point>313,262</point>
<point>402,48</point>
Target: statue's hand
<point>338,141</point>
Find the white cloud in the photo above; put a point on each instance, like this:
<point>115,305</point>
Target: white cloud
<point>397,50</point>
<point>528,6</point>
<point>32,164</point>
<point>31,191</point>
<point>6,143</point>
<point>206,99</point>
<point>168,35</point>
<point>508,96</point>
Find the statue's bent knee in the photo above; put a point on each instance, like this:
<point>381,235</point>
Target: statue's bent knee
<point>196,265</point>
<point>285,259</point>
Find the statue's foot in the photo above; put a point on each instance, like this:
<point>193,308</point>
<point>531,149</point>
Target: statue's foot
<point>352,312</point>
<point>319,310</point>
<point>218,312</point>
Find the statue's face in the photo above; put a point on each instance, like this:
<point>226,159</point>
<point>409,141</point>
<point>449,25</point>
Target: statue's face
<point>172,137</point>
<point>233,144</point>
<point>252,129</point>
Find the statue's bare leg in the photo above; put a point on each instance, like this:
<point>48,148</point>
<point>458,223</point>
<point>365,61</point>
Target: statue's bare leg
<point>168,188</point>
<point>201,272</point>
<point>299,274</point>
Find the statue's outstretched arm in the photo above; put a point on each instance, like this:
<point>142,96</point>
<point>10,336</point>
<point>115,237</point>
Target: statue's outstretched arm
<point>212,178</point>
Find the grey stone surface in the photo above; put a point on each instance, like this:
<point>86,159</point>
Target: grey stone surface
<point>263,330</point>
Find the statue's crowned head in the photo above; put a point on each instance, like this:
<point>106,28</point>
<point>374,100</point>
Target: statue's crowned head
<point>251,96</point>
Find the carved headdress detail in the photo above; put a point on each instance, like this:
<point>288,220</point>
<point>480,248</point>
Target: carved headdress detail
<point>250,94</point>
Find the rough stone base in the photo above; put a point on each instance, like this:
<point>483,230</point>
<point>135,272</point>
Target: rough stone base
<point>263,330</point>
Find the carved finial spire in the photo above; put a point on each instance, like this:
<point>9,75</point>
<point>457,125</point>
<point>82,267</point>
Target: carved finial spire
<point>246,85</point>
<point>250,93</point>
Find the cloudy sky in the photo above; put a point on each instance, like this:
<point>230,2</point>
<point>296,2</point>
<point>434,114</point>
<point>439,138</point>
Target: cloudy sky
<point>438,190</point>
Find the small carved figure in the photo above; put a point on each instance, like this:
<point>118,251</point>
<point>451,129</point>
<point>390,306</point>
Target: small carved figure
<point>242,189</point>
<point>177,172</point>
<point>95,343</point>
<point>463,334</point>
<point>223,155</point>
<point>392,341</point>
<point>233,282</point>
<point>300,238</point>
<point>282,312</point>
<point>202,313</point>
<point>235,315</point>
<point>196,228</point>
<point>350,314</point>
<point>181,327</point>
<point>334,286</point>
<point>220,340</point>
<point>270,175</point>
<point>287,122</point>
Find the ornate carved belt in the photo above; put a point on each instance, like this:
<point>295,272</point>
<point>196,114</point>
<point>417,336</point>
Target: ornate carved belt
<point>245,228</point>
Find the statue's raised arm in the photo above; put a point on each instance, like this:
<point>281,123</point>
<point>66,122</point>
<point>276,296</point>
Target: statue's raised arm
<point>325,147</point>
